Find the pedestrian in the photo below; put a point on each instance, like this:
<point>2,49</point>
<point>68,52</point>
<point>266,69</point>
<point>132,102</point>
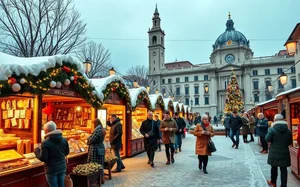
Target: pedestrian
<point>52,152</point>
<point>179,133</point>
<point>190,121</point>
<point>197,118</point>
<point>251,126</point>
<point>245,127</point>
<point>209,118</point>
<point>115,138</point>
<point>168,127</point>
<point>96,151</point>
<point>150,131</point>
<point>216,121</point>
<point>226,124</point>
<point>235,125</point>
<point>160,133</point>
<point>262,129</point>
<point>280,138</point>
<point>203,132</point>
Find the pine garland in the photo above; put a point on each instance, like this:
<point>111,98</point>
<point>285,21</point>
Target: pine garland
<point>143,96</point>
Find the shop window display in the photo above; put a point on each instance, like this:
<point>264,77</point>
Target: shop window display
<point>138,116</point>
<point>295,109</point>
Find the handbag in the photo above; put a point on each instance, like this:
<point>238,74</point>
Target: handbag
<point>210,144</point>
<point>68,180</point>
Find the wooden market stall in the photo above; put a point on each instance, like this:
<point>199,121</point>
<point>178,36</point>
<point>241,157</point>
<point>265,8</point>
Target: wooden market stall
<point>157,104</point>
<point>116,100</point>
<point>289,106</point>
<point>141,104</point>
<point>268,108</point>
<point>176,107</point>
<point>168,102</point>
<point>182,112</point>
<point>34,91</point>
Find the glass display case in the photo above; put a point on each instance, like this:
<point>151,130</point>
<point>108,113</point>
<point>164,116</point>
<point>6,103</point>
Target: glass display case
<point>138,116</point>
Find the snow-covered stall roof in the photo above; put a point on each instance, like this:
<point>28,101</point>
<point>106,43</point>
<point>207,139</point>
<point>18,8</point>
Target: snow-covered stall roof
<point>154,98</point>
<point>101,84</point>
<point>134,93</point>
<point>176,105</point>
<point>265,102</point>
<point>288,92</point>
<point>166,102</point>
<point>185,108</point>
<point>181,107</point>
<point>10,65</point>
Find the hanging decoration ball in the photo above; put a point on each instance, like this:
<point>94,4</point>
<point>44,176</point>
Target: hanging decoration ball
<point>52,84</point>
<point>66,69</point>
<point>71,78</point>
<point>58,85</point>
<point>16,87</point>
<point>12,80</point>
<point>93,92</point>
<point>22,81</point>
<point>67,82</point>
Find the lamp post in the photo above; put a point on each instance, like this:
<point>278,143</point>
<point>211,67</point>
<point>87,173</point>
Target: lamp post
<point>191,104</point>
<point>112,71</point>
<point>291,46</point>
<point>87,65</point>
<point>283,78</point>
<point>206,89</point>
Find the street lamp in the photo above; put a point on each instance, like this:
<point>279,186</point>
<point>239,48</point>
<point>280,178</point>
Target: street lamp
<point>191,104</point>
<point>148,89</point>
<point>206,88</point>
<point>165,94</point>
<point>283,78</point>
<point>251,102</point>
<point>270,87</point>
<point>87,65</point>
<point>112,71</point>
<point>156,91</point>
<point>291,47</point>
<point>135,84</point>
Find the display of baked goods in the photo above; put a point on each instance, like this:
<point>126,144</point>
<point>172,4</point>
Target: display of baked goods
<point>9,155</point>
<point>13,165</point>
<point>29,155</point>
<point>34,161</point>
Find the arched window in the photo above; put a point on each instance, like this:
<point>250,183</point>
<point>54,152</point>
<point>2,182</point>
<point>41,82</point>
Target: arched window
<point>154,40</point>
<point>155,23</point>
<point>162,41</point>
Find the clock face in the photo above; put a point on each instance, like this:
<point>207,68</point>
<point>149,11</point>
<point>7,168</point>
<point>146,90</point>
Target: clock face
<point>229,58</point>
<point>154,53</point>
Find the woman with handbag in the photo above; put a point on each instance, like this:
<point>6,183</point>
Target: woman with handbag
<point>96,151</point>
<point>203,131</point>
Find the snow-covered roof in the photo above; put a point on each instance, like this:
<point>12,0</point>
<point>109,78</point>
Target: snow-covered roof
<point>288,92</point>
<point>154,98</point>
<point>265,102</point>
<point>181,107</point>
<point>185,108</point>
<point>134,93</point>
<point>176,104</point>
<point>33,65</point>
<point>101,84</point>
<point>166,102</point>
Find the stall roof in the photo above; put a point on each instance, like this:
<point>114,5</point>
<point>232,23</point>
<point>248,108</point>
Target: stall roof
<point>33,65</point>
<point>180,107</point>
<point>134,93</point>
<point>265,102</point>
<point>154,98</point>
<point>288,92</point>
<point>166,102</point>
<point>185,108</point>
<point>175,106</point>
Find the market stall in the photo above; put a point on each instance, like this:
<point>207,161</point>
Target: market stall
<point>116,100</point>
<point>141,104</point>
<point>182,111</point>
<point>268,108</point>
<point>289,106</point>
<point>157,104</point>
<point>168,102</point>
<point>33,91</point>
<point>176,107</point>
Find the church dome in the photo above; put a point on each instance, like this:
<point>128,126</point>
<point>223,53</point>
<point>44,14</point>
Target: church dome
<point>230,37</point>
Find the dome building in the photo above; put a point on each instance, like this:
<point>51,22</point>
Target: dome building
<point>203,86</point>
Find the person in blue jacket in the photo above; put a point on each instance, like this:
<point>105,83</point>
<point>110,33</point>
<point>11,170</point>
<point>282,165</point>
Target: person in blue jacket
<point>262,130</point>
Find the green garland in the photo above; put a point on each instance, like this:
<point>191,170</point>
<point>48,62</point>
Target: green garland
<point>160,102</point>
<point>143,96</point>
<point>40,84</point>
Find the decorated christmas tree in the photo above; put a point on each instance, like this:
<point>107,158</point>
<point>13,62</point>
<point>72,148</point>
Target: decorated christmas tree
<point>234,98</point>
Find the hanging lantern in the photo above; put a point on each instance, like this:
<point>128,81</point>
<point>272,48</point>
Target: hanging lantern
<point>112,71</point>
<point>87,65</point>
<point>283,78</point>
<point>291,47</point>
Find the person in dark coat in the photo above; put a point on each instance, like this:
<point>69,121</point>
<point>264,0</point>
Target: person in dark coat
<point>96,152</point>
<point>280,138</point>
<point>262,130</point>
<point>150,131</point>
<point>160,133</point>
<point>197,118</point>
<point>115,138</point>
<point>179,133</point>
<point>52,152</point>
<point>235,125</point>
<point>226,124</point>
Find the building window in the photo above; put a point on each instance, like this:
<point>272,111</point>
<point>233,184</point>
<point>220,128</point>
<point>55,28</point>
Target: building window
<point>196,101</point>
<point>256,98</point>
<point>206,100</point>
<point>294,83</point>
<point>153,82</point>
<point>186,79</point>
<point>196,89</point>
<point>169,80</point>
<point>163,81</point>
<point>177,90</point>
<point>293,70</point>
<point>280,86</point>
<point>196,78</point>
<point>153,69</point>
<point>254,72</point>
<point>187,101</point>
<point>206,77</point>
<point>177,80</point>
<point>279,70</point>
<point>187,90</point>
<point>268,83</point>
<point>267,71</point>
<point>255,84</point>
<point>154,62</point>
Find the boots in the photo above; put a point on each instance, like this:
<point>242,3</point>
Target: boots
<point>179,149</point>
<point>168,161</point>
<point>172,158</point>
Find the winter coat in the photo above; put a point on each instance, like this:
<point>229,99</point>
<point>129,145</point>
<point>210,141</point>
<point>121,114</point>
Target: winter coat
<point>53,151</point>
<point>197,120</point>
<point>262,130</point>
<point>168,136</point>
<point>115,135</point>
<point>96,147</point>
<point>245,127</point>
<point>226,122</point>
<point>180,124</point>
<point>202,140</point>
<point>235,123</point>
<point>147,126</point>
<point>251,124</point>
<point>280,137</point>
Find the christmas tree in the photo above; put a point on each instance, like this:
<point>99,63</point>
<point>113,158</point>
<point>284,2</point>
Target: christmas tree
<point>234,98</point>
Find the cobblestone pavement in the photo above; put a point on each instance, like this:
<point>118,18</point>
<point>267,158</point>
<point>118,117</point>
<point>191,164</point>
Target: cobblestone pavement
<point>228,167</point>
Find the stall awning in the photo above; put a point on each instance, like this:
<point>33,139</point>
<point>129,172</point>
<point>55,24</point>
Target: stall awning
<point>287,92</point>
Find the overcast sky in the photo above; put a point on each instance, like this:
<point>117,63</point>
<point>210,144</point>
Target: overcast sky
<point>122,25</point>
